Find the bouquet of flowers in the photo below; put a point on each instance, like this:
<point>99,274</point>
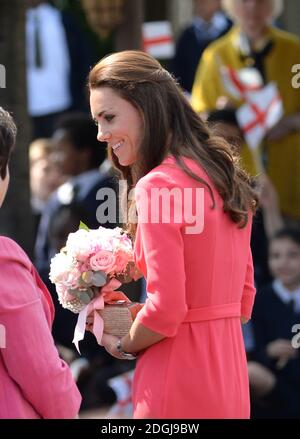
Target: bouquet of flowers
<point>86,273</point>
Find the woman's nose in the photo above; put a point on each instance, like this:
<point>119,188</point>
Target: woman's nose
<point>103,135</point>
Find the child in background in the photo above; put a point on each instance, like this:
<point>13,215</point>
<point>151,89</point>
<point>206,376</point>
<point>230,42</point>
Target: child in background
<point>276,311</point>
<point>45,176</point>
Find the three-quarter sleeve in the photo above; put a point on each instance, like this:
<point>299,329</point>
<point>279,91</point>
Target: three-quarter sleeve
<point>161,241</point>
<point>249,289</point>
<point>30,356</point>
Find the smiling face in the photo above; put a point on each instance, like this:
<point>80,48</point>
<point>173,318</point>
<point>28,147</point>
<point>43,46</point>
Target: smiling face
<point>284,261</point>
<point>119,123</point>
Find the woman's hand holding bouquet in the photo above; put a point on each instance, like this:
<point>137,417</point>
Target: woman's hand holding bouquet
<point>87,272</point>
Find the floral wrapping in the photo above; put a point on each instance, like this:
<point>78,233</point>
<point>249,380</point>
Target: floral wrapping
<point>88,270</point>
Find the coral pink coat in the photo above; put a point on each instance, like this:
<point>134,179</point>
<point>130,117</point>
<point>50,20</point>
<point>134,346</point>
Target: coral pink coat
<point>34,381</point>
<point>198,286</point>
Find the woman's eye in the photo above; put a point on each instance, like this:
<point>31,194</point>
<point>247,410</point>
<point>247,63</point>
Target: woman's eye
<point>109,117</point>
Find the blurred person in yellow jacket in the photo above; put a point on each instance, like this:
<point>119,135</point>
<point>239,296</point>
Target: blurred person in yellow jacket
<point>254,42</point>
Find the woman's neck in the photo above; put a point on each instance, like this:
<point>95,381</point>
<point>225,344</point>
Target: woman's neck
<point>257,40</point>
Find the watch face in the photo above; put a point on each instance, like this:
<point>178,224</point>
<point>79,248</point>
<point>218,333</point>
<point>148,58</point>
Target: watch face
<point>125,355</point>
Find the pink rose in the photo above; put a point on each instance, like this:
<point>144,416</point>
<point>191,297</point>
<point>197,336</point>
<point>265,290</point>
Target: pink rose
<point>122,259</point>
<point>104,260</point>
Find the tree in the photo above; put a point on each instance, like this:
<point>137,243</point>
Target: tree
<point>15,218</point>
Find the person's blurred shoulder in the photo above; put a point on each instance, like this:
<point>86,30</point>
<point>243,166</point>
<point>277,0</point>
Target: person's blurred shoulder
<point>18,279</point>
<point>9,249</point>
<point>220,45</point>
<point>286,38</point>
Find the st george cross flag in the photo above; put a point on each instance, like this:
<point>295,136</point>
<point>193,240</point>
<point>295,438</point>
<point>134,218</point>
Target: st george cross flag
<point>122,386</point>
<point>241,83</point>
<point>158,39</point>
<point>259,114</point>
<point>262,107</point>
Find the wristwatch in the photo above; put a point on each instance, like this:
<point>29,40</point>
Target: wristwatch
<point>125,355</point>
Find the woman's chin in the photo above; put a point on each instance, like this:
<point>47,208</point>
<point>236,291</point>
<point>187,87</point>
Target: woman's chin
<point>125,162</point>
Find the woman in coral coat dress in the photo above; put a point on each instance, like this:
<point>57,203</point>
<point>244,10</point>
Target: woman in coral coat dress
<point>192,238</point>
<point>34,381</point>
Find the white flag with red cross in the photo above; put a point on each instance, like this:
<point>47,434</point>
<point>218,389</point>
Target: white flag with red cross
<point>158,39</point>
<point>122,386</point>
<point>262,107</point>
<point>241,83</point>
<point>260,114</point>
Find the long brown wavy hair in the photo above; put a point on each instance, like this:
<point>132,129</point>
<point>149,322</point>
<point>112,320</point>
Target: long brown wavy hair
<point>171,126</point>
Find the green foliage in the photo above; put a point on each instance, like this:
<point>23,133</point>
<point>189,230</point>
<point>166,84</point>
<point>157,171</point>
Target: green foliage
<point>83,226</point>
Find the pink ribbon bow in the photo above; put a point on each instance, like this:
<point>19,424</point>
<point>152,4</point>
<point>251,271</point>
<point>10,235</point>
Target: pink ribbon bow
<point>108,294</point>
